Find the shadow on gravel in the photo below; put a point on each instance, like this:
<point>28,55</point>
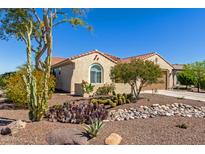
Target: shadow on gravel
<point>5,121</point>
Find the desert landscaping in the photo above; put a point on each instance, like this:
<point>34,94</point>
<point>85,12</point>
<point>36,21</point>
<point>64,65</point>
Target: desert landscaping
<point>55,89</point>
<point>161,129</point>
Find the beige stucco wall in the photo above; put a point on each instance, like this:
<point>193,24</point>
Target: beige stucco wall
<point>63,80</point>
<point>82,70</point>
<point>164,65</point>
<point>72,75</point>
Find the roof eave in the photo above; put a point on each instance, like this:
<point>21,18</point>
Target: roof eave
<point>62,63</point>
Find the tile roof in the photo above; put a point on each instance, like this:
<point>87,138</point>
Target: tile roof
<point>55,60</point>
<point>112,58</point>
<point>142,57</point>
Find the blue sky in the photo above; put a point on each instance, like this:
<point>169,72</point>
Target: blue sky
<point>178,35</point>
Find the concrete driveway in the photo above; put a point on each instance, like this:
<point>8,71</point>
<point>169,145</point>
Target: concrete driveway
<point>179,94</point>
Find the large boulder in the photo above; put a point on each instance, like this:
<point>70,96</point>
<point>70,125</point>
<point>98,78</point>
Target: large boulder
<point>113,139</point>
<point>67,136</point>
<point>6,131</point>
<point>13,127</point>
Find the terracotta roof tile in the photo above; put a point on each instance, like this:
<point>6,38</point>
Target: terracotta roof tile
<point>115,59</point>
<point>144,56</point>
<point>55,60</point>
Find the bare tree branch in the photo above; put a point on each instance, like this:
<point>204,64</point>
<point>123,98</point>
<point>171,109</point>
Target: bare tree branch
<point>33,50</point>
<point>60,22</point>
<point>36,15</point>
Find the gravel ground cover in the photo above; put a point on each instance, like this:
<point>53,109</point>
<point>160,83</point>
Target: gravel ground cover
<point>158,130</point>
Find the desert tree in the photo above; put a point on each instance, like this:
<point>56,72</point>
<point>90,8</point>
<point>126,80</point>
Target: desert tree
<point>137,74</point>
<point>185,78</point>
<point>35,28</point>
<point>196,71</point>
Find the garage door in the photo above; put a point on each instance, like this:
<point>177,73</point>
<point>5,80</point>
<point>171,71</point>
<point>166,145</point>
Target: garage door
<point>161,85</point>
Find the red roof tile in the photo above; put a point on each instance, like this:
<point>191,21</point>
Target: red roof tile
<point>143,57</point>
<point>55,60</point>
<point>112,58</point>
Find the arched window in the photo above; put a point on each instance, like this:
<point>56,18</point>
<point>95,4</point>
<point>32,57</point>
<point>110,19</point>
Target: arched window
<point>96,74</point>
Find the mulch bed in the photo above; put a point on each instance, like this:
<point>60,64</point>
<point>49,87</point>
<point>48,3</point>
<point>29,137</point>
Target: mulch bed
<point>159,130</point>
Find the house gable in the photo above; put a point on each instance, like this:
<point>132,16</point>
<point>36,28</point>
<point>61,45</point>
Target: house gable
<point>156,58</point>
<point>66,61</point>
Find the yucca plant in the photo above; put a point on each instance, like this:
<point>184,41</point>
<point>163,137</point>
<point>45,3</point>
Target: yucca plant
<point>93,129</point>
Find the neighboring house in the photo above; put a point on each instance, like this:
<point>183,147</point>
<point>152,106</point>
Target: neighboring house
<point>177,69</point>
<point>95,66</point>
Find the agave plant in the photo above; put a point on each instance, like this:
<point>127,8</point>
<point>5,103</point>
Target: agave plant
<point>93,129</point>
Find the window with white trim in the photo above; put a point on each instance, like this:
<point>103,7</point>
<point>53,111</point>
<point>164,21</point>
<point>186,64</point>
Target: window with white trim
<point>96,73</point>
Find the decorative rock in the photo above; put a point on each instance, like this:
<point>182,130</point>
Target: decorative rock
<point>155,105</point>
<point>67,136</point>
<point>157,110</point>
<point>132,118</point>
<point>189,115</point>
<point>203,109</point>
<point>145,107</point>
<point>113,139</point>
<point>168,114</point>
<point>152,116</point>
<point>13,127</point>
<point>5,131</point>
<point>144,116</point>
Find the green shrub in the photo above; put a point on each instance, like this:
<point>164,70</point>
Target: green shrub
<point>87,87</point>
<point>113,104</point>
<point>113,101</point>
<point>183,126</point>
<point>3,78</point>
<point>185,79</point>
<point>15,87</point>
<point>180,97</point>
<point>57,106</point>
<point>2,82</point>
<point>106,89</point>
<point>113,93</point>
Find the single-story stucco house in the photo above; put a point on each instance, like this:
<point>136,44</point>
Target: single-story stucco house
<point>94,67</point>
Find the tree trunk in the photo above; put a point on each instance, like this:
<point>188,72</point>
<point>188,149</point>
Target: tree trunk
<point>133,91</point>
<point>139,90</point>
